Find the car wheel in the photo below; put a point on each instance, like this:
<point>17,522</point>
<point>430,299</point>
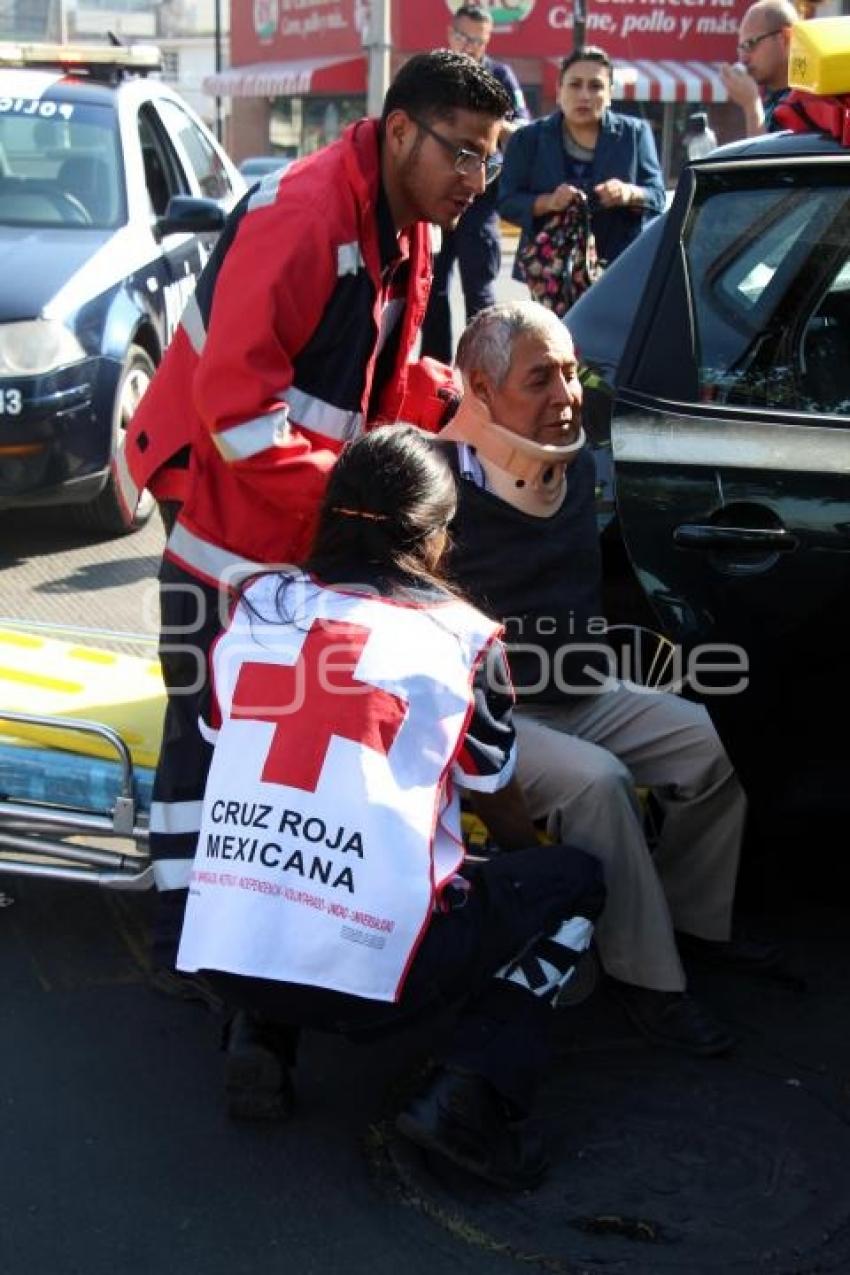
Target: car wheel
<point>106,513</point>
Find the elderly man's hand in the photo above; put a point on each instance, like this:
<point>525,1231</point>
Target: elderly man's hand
<point>740,85</point>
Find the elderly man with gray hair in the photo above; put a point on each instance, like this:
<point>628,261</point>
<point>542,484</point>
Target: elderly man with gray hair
<point>759,80</point>
<point>527,551</point>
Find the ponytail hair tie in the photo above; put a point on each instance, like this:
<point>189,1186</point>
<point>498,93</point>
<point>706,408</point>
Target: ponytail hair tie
<point>359,513</point>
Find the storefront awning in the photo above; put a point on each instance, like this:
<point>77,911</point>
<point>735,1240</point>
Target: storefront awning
<point>647,81</point>
<point>643,81</point>
<point>289,79</point>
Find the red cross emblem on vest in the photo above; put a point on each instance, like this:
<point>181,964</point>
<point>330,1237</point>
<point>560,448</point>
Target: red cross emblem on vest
<point>314,699</point>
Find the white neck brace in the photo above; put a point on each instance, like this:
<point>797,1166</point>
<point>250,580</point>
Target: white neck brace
<point>529,475</point>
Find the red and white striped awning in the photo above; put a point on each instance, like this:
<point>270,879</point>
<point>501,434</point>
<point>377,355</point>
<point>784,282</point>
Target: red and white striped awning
<point>289,79</point>
<point>642,80</point>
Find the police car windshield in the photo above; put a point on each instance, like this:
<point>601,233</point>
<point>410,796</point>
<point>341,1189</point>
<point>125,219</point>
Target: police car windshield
<point>59,165</point>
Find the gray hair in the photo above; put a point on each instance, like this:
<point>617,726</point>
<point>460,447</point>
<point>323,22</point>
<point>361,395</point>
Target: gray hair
<point>776,13</point>
<point>487,344</point>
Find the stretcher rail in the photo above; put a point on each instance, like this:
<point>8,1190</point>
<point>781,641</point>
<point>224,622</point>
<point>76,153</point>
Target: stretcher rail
<point>46,836</point>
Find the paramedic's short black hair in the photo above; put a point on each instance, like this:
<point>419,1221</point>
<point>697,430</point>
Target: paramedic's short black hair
<point>435,85</point>
<point>474,13</point>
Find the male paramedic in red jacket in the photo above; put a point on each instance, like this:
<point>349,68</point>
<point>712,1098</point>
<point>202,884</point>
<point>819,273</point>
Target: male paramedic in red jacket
<point>298,338</point>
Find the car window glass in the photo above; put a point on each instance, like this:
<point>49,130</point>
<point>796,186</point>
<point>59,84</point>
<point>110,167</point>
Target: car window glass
<point>600,330</point>
<point>769,272</point>
<point>164,176</point>
<point>205,160</point>
<point>825,352</point>
<point>61,165</point>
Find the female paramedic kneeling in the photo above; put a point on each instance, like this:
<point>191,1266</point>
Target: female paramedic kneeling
<point>349,704</point>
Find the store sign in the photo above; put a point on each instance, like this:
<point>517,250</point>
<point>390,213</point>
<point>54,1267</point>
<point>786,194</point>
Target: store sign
<point>680,30</point>
<point>504,12</point>
<point>265,20</point>
<point>264,30</point>
<point>693,30</point>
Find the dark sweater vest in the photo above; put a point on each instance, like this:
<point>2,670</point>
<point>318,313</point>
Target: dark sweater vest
<point>540,576</point>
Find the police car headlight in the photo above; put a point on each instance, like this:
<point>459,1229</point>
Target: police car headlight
<point>37,346</point>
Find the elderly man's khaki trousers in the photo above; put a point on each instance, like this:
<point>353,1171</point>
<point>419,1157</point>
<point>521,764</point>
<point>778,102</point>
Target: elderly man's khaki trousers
<point>579,765</point>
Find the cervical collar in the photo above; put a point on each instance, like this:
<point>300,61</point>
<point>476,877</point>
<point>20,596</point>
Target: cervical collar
<point>531,476</point>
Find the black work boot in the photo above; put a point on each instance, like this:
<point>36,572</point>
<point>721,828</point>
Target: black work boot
<point>674,1019</point>
<point>257,1082</point>
<point>739,953</point>
<point>462,1117</point>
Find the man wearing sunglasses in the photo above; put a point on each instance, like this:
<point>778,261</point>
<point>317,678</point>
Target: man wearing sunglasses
<point>475,244</point>
<point>759,80</point>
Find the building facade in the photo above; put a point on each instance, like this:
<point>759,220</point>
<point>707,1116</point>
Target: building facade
<point>298,68</point>
<point>285,76</point>
<point>192,34</point>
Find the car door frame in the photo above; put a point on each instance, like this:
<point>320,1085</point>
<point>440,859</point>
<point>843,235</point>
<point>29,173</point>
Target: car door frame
<point>667,435</point>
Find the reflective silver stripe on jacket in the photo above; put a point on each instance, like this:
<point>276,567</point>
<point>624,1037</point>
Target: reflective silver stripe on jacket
<point>349,259</point>
<point>266,192</point>
<point>240,442</point>
<point>172,874</point>
<point>321,417</point>
<point>211,561</point>
<point>193,325</point>
<point>175,816</point>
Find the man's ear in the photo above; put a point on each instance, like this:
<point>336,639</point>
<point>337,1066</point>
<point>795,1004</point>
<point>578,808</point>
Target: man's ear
<point>479,383</point>
<point>397,128</point>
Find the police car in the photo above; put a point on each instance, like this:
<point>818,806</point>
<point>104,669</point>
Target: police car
<point>112,193</point>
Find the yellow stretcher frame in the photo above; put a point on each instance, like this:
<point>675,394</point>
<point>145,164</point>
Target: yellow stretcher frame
<point>52,678</point>
<point>80,727</point>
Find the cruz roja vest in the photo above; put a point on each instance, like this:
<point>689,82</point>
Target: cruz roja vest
<point>329,824</point>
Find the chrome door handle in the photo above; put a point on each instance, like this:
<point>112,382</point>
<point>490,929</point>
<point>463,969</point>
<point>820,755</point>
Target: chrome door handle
<point>691,535</point>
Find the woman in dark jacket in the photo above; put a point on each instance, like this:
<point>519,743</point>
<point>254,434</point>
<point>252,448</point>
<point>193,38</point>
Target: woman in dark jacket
<point>584,149</point>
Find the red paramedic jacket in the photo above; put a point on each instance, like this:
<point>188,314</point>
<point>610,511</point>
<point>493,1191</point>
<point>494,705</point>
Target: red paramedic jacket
<point>270,371</point>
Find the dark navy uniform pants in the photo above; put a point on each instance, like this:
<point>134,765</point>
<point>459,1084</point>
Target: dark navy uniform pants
<point>191,615</point>
<point>502,1029</point>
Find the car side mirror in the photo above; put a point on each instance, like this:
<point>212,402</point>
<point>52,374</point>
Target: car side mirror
<point>186,215</point>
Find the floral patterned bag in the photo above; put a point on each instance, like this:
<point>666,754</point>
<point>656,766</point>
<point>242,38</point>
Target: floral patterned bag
<point>560,262</point>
